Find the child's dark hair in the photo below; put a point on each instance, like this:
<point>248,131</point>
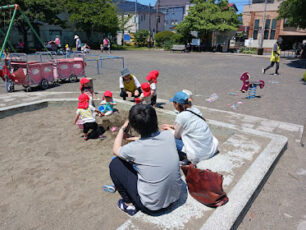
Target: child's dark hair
<point>143,119</point>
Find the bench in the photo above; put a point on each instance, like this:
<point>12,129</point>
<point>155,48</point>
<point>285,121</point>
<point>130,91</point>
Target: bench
<point>178,48</point>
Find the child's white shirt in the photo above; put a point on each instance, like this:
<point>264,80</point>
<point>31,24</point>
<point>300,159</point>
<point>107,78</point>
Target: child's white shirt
<point>87,115</point>
<point>153,87</point>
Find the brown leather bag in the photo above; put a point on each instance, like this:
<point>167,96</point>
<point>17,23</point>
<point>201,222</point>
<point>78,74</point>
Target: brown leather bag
<point>205,186</point>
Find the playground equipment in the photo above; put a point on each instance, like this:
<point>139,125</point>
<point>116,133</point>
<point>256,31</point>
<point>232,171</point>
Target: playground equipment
<point>250,86</point>
<point>16,8</point>
<point>18,70</point>
<point>101,58</point>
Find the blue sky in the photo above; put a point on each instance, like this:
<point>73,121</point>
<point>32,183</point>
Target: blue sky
<point>239,3</point>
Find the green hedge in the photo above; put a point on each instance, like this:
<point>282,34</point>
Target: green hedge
<point>167,39</point>
<point>246,50</point>
<point>141,37</point>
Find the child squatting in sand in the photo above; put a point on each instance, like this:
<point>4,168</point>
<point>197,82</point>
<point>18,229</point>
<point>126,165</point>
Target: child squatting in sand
<point>86,112</point>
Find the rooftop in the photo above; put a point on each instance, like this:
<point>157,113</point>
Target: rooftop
<point>173,3</point>
<point>127,6</point>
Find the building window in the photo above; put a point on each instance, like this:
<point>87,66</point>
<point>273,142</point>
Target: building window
<point>273,28</point>
<point>267,29</point>
<point>256,27</point>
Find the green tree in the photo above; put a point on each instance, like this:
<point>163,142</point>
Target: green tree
<point>93,15</point>
<point>294,12</point>
<point>37,12</point>
<point>207,16</point>
<point>141,37</point>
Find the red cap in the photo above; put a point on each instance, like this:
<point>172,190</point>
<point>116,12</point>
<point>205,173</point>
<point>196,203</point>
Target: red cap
<point>108,94</point>
<point>84,80</point>
<point>146,89</point>
<point>155,72</point>
<point>83,101</point>
<point>151,77</point>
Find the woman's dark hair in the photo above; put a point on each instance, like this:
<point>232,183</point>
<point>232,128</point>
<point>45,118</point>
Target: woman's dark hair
<point>143,119</point>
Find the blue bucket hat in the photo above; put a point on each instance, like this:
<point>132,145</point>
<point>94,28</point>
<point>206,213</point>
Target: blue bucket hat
<point>180,97</point>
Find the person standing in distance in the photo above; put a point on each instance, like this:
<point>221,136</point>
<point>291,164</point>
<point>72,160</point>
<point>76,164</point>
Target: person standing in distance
<point>275,58</point>
<point>78,43</point>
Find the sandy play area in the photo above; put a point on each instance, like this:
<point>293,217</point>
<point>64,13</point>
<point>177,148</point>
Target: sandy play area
<point>50,178</point>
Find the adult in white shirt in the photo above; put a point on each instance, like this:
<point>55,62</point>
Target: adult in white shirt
<point>78,43</point>
<point>194,139</point>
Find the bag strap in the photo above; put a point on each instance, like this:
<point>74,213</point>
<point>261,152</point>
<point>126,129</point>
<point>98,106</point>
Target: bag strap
<point>196,114</point>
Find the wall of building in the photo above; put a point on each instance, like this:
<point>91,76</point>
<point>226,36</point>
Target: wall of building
<point>253,12</point>
<point>143,21</point>
<point>173,16</point>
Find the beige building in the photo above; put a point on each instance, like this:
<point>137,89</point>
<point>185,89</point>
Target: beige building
<point>273,28</point>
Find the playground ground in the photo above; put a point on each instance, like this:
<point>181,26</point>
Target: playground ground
<point>280,204</point>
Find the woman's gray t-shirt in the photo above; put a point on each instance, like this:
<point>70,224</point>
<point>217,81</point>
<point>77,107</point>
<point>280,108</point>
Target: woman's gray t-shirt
<point>156,159</point>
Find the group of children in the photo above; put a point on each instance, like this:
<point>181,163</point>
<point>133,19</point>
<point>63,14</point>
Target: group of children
<point>86,112</point>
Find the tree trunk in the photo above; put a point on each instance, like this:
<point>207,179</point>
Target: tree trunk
<point>25,41</point>
<point>122,38</point>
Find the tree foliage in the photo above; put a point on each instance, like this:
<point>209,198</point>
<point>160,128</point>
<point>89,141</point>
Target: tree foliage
<point>141,37</point>
<point>294,12</point>
<point>37,12</point>
<point>167,38</point>
<point>93,15</point>
<point>206,16</point>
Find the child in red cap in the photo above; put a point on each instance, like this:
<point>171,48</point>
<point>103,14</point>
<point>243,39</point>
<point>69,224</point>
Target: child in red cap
<point>86,112</point>
<point>152,79</point>
<point>146,96</point>
<point>87,89</point>
<point>107,104</point>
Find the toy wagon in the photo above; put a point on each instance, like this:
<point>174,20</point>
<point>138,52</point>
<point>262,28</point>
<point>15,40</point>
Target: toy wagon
<point>17,70</point>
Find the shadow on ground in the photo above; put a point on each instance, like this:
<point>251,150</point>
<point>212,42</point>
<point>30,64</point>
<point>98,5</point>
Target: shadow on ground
<point>181,201</point>
<point>301,64</point>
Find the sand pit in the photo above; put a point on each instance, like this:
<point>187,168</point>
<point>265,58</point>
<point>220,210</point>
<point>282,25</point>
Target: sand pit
<point>50,177</point>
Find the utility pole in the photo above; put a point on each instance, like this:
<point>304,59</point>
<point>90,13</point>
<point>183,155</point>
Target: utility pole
<point>136,15</point>
<point>262,29</point>
<point>157,16</point>
<point>150,35</point>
